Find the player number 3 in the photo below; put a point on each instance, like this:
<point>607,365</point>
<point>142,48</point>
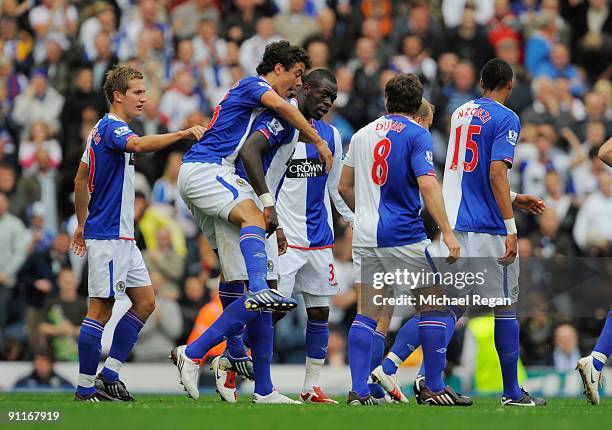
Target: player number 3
<point>380,168</point>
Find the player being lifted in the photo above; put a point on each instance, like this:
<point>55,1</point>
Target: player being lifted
<point>209,185</point>
<point>388,166</point>
<point>104,204</point>
<point>407,338</point>
<point>305,217</point>
<point>483,137</point>
<point>590,366</point>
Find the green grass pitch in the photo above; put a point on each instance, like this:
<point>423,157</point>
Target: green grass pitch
<point>209,413</point>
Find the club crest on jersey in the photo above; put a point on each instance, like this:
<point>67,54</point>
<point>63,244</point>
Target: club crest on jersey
<point>122,131</point>
<point>270,265</point>
<point>120,286</point>
<point>275,126</point>
<point>429,157</point>
<point>512,137</point>
<point>241,182</point>
<point>306,168</point>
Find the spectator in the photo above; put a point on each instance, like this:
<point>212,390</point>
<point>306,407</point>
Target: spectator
<point>462,88</point>
<point>56,66</point>
<point>371,28</point>
<point>208,48</point>
<point>546,107</point>
<point>146,20</point>
<point>222,76</point>
<point>102,21</point>
<point>61,317</point>
<point>366,81</point>
<point>37,238</point>
<point>520,98</point>
<point>192,300</point>
<point>559,66</point>
<point>186,16</point>
<point>251,51</point>
<point>41,186</point>
<point>558,200</point>
<point>165,261</point>
<point>162,329</point>
<point>504,25</point>
<point>8,181</point>
<point>179,100</point>
<point>566,352</point>
<point>318,51</point>
<point>15,44</point>
<point>595,107</point>
<point>12,255</point>
<point>15,81</point>
<point>539,44</point>
<point>81,94</point>
<point>469,40</point>
<point>415,60</point>
<point>243,17</point>
<point>38,280</point>
<point>165,190</point>
<point>338,43</point>
<point>483,11</point>
<point>549,241</point>
<point>39,102</point>
<point>421,23</point>
<point>52,20</point>
<point>103,60</point>
<point>584,158</point>
<point>593,229</point>
<point>7,147</point>
<point>208,315</point>
<point>43,376</point>
<point>295,25</point>
<point>39,138</point>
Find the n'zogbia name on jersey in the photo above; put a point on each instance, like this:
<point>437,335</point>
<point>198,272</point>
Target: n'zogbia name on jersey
<point>306,168</point>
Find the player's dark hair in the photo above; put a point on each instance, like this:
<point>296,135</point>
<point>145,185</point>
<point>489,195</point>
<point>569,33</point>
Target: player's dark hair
<point>403,94</point>
<point>496,74</point>
<point>118,79</point>
<point>282,53</point>
<point>315,77</point>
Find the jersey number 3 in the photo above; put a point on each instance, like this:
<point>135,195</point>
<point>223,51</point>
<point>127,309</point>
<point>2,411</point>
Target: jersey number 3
<point>469,145</point>
<point>380,168</point>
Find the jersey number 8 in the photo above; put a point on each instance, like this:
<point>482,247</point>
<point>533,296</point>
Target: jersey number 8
<point>469,145</point>
<point>380,168</point>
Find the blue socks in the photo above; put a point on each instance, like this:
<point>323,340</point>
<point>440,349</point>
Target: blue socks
<point>261,335</point>
<point>253,247</point>
<point>432,333</point>
<point>317,337</point>
<point>90,345</point>
<point>507,345</point>
<point>228,292</point>
<point>378,352</point>
<point>230,322</point>
<point>604,344</point>
<point>406,341</point>
<point>124,339</point>
<point>360,352</point>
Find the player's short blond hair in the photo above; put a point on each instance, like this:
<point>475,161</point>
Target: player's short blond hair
<point>424,109</point>
<point>118,79</point>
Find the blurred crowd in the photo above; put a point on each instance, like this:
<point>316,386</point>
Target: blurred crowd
<point>53,58</point>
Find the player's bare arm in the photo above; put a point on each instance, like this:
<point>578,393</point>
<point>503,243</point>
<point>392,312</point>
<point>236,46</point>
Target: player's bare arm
<point>251,155</point>
<point>432,196</point>
<point>157,142</point>
<point>528,202</point>
<point>346,186</point>
<point>605,152</point>
<point>81,202</point>
<point>498,176</point>
<point>292,114</point>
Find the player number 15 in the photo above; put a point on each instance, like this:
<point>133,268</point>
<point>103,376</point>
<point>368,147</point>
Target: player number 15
<point>470,145</point>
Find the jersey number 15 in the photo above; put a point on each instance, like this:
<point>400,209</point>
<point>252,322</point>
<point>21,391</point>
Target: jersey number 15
<point>469,145</point>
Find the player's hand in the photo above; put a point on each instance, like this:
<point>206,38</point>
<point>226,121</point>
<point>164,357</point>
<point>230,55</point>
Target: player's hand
<point>454,248</point>
<point>326,156</point>
<point>196,132</point>
<point>282,241</point>
<point>271,219</point>
<point>529,203</point>
<point>511,250</point>
<point>78,245</point>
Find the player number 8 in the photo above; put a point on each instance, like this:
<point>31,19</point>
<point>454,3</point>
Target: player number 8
<point>380,168</point>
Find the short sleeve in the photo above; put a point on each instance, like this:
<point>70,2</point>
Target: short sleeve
<point>421,156</point>
<point>253,89</point>
<point>506,138</point>
<point>348,158</point>
<point>120,133</point>
<point>277,131</point>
